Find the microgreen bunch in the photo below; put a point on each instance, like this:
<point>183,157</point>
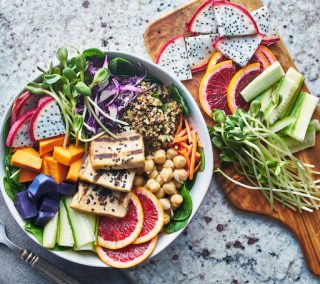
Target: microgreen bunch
<point>264,159</point>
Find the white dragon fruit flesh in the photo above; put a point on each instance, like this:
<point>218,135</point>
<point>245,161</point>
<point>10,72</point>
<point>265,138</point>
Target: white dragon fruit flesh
<point>239,49</point>
<point>265,25</point>
<point>23,104</point>
<point>173,57</point>
<point>200,49</point>
<point>19,134</point>
<point>233,19</point>
<point>47,120</point>
<point>203,21</point>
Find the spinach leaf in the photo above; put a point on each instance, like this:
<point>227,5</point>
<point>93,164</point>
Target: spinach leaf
<point>189,183</point>
<point>175,226</point>
<point>121,66</point>
<point>34,230</point>
<point>94,52</point>
<point>176,96</point>
<point>185,210</point>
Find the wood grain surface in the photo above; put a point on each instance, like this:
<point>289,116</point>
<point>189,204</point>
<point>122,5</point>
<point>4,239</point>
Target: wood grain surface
<point>305,226</point>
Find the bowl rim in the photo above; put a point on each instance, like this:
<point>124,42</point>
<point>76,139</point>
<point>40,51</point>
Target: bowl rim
<point>205,176</point>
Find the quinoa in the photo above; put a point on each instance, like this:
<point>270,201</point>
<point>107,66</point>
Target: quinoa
<point>154,115</point>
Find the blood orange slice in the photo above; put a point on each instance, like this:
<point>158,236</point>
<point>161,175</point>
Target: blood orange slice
<point>243,77</point>
<point>214,86</point>
<point>128,256</point>
<point>258,56</point>
<point>216,58</point>
<point>117,233</point>
<point>267,53</point>
<point>152,213</point>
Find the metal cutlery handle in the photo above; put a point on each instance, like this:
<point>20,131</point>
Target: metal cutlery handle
<point>47,269</point>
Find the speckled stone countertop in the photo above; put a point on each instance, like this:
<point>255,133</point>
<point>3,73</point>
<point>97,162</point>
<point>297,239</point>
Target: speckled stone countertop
<point>221,244</point>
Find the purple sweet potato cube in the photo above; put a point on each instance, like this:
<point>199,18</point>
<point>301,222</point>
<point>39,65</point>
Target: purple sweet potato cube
<point>24,205</point>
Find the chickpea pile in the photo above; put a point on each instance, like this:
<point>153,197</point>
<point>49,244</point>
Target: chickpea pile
<point>163,174</point>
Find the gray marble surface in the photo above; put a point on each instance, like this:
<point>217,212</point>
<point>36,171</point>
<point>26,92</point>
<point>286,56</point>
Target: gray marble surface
<point>221,244</point>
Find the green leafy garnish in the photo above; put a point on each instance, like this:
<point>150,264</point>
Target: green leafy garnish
<point>176,96</point>
<point>121,66</point>
<point>94,52</point>
<point>185,210</point>
<point>34,230</point>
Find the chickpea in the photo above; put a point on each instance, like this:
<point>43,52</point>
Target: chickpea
<point>177,184</point>
<point>153,174</point>
<point>168,164</point>
<point>140,171</point>
<point>165,203</point>
<point>149,157</point>
<point>179,162</point>
<point>152,185</point>
<point>171,153</point>
<point>138,181</point>
<point>148,166</point>
<point>167,174</point>
<point>159,179</point>
<point>160,193</point>
<point>160,156</point>
<point>176,200</point>
<point>180,175</point>
<point>166,219</point>
<point>169,188</point>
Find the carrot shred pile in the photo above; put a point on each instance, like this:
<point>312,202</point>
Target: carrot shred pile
<point>187,142</point>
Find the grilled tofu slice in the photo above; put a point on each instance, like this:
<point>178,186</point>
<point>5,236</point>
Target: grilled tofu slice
<point>124,152</point>
<point>95,199</point>
<point>118,180</point>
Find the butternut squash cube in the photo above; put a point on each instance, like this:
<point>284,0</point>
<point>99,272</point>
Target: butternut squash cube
<point>26,175</point>
<point>62,156</point>
<point>47,145</point>
<point>26,160</point>
<point>45,168</point>
<point>76,152</point>
<point>28,150</point>
<point>73,173</point>
<point>56,170</point>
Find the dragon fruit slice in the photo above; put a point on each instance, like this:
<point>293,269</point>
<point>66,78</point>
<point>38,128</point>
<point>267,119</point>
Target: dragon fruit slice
<point>239,49</point>
<point>173,57</point>
<point>23,104</point>
<point>46,120</point>
<point>19,135</point>
<point>233,19</point>
<point>203,21</point>
<point>200,49</point>
<point>265,26</point>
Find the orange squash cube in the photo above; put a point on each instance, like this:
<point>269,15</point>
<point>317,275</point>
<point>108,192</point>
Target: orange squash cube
<point>47,145</point>
<point>26,160</point>
<point>56,170</point>
<point>73,173</point>
<point>62,155</point>
<point>26,175</point>
<point>76,152</point>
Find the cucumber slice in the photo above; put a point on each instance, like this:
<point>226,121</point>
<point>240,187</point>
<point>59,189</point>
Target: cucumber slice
<point>315,123</point>
<point>93,223</point>
<point>286,95</point>
<point>283,123</point>
<point>50,232</point>
<point>82,231</point>
<point>266,98</point>
<point>309,141</point>
<point>274,99</point>
<point>65,237</point>
<point>302,109</point>
<point>264,81</point>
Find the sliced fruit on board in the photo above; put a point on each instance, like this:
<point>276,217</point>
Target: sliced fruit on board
<point>129,256</point>
<point>203,21</point>
<point>239,49</point>
<point>239,81</point>
<point>23,104</point>
<point>47,120</point>
<point>19,134</point>
<point>200,49</point>
<point>214,86</point>
<point>173,57</point>
<point>258,56</point>
<point>216,58</point>
<point>153,215</point>
<point>265,25</point>
<point>267,53</point>
<point>233,19</point>
<point>117,233</point>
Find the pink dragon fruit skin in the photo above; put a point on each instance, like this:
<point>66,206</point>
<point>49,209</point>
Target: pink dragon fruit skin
<point>23,104</point>
<point>19,135</point>
<point>234,19</point>
<point>173,57</point>
<point>47,120</point>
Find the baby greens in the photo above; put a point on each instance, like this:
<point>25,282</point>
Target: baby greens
<point>263,158</point>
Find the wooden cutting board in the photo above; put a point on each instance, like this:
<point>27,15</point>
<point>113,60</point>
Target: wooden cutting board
<point>305,226</point>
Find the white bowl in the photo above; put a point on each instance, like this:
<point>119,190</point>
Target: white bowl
<point>197,193</point>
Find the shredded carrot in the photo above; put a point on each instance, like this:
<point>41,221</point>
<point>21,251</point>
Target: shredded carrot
<point>193,154</point>
<point>185,145</point>
<point>181,133</point>
<point>186,122</point>
<point>189,151</point>
<point>180,139</point>
<point>197,167</point>
<point>198,155</point>
<point>183,152</point>
<point>180,124</point>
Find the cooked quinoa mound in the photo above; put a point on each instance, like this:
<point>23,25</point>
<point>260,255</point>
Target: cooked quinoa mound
<point>154,115</point>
